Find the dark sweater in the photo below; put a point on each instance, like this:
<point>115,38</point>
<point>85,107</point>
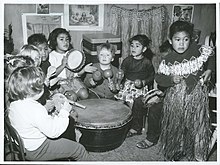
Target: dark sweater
<point>190,72</point>
<point>138,69</point>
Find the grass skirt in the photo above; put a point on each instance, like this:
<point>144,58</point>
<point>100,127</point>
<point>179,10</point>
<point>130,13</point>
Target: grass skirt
<point>186,122</point>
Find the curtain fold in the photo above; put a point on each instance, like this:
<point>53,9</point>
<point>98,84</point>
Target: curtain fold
<point>129,22</point>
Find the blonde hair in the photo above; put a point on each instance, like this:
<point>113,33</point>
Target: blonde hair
<point>25,82</point>
<point>27,50</point>
<point>107,46</point>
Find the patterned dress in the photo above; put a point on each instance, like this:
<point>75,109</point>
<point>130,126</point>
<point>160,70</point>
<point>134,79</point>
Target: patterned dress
<point>135,69</point>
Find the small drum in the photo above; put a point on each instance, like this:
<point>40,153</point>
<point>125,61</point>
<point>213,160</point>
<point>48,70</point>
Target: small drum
<point>75,60</point>
<point>104,124</point>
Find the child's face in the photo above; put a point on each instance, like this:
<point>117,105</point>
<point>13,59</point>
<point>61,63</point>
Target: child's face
<point>180,42</point>
<point>63,43</point>
<point>43,48</point>
<point>36,57</point>
<point>105,57</point>
<point>137,48</point>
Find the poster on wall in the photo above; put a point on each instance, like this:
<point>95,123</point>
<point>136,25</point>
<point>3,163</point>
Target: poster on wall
<point>42,8</point>
<point>40,23</point>
<point>84,17</point>
<point>182,12</point>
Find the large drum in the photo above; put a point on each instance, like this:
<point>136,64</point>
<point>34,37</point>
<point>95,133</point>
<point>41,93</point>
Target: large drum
<point>104,124</point>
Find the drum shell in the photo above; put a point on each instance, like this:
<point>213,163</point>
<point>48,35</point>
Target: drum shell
<point>102,140</point>
<point>107,134</point>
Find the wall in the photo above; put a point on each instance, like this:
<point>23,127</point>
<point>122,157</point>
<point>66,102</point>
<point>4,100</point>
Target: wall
<point>204,18</point>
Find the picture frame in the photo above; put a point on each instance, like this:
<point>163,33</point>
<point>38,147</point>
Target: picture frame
<point>84,17</point>
<point>43,8</point>
<point>40,23</point>
<point>182,12</point>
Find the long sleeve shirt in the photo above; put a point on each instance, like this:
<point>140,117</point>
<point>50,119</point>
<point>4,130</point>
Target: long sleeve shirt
<point>33,124</point>
<point>138,69</point>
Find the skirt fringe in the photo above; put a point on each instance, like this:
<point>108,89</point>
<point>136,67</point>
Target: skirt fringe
<point>186,123</point>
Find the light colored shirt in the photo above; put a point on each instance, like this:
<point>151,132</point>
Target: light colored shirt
<point>33,124</point>
<point>55,60</point>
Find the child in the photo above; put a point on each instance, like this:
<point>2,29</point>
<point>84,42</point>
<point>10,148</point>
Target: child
<point>31,51</point>
<point>185,124</point>
<point>106,54</point>
<point>11,64</point>
<point>59,42</point>
<point>37,129</point>
<point>143,105</point>
<point>138,70</point>
<point>39,40</point>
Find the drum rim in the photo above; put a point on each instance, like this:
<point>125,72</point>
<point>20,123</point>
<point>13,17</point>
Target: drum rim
<point>106,126</point>
<point>109,125</point>
<point>81,65</point>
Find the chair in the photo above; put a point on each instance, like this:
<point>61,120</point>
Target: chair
<point>14,148</point>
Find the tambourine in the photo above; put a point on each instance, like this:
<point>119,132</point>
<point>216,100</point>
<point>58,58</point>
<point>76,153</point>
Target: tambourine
<point>75,60</point>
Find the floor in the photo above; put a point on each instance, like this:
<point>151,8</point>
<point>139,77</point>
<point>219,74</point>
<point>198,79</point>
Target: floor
<point>129,152</point>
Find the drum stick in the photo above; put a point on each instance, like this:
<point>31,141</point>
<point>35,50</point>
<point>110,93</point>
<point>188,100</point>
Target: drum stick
<point>76,104</point>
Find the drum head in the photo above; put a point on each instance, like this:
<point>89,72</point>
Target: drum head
<point>102,114</point>
<point>75,60</point>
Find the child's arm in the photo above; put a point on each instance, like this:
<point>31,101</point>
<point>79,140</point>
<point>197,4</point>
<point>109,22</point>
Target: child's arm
<point>164,80</point>
<point>150,79</point>
<point>88,80</point>
<point>87,69</point>
<point>61,67</point>
<point>52,127</point>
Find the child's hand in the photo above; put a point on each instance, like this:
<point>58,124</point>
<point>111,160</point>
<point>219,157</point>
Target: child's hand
<point>92,82</point>
<point>177,79</point>
<point>144,83</point>
<point>111,86</point>
<point>64,61</point>
<point>89,68</point>
<point>49,105</point>
<point>206,75</point>
<point>74,115</point>
<point>66,106</point>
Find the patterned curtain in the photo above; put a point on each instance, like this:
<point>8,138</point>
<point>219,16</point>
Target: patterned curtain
<point>129,22</point>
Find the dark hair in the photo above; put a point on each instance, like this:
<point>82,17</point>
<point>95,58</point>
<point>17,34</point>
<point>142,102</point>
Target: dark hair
<point>53,37</point>
<point>165,47</point>
<point>180,26</point>
<point>145,41</point>
<point>107,46</point>
<point>37,39</point>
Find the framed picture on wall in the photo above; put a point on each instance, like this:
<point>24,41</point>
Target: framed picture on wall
<point>43,8</point>
<point>40,23</point>
<point>84,17</point>
<point>182,12</point>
